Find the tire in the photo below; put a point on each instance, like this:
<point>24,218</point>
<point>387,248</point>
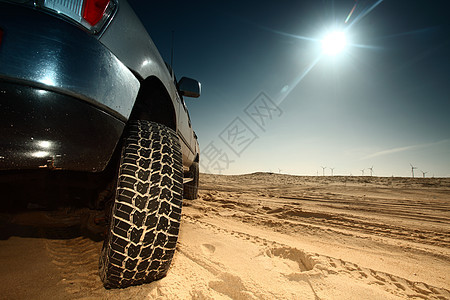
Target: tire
<point>145,215</point>
<point>190,189</point>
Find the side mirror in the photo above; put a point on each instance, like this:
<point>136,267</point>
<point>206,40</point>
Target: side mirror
<point>189,87</point>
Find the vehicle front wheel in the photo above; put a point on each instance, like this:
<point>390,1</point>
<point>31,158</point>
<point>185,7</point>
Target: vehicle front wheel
<point>145,215</point>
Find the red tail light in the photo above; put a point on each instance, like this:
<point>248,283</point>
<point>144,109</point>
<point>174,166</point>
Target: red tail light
<point>91,14</point>
<point>94,10</point>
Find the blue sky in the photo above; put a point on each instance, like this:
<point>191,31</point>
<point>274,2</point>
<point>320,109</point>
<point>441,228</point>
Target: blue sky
<point>272,101</point>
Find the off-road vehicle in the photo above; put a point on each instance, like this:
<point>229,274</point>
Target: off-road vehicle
<point>84,90</point>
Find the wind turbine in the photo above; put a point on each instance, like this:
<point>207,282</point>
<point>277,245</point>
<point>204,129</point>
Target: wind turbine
<point>371,170</point>
<point>362,172</point>
<point>279,171</point>
<point>332,169</point>
<point>412,169</point>
<point>423,173</point>
<point>323,171</point>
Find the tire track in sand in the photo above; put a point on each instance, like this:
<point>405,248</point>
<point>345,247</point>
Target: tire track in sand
<point>77,259</point>
<point>271,261</point>
<point>313,268</point>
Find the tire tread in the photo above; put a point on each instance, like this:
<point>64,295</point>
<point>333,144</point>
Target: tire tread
<point>145,216</point>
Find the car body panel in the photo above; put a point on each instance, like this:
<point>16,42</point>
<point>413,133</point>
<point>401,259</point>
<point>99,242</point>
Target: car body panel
<point>53,54</point>
<point>140,53</point>
<point>44,53</point>
<point>45,129</point>
<point>142,56</point>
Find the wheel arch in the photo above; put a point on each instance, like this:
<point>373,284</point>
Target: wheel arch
<point>154,103</point>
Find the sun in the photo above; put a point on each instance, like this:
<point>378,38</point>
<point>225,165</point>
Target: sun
<point>334,43</point>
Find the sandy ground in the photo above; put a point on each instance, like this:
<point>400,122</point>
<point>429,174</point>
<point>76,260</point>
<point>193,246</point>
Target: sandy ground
<point>266,236</point>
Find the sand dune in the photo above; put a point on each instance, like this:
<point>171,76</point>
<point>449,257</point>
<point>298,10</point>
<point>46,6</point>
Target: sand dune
<point>272,236</point>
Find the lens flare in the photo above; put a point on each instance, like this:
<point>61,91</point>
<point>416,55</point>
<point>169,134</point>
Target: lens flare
<point>351,12</point>
<point>334,43</point>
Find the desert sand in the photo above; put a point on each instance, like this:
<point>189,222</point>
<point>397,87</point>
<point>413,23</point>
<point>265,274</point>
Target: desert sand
<point>267,236</point>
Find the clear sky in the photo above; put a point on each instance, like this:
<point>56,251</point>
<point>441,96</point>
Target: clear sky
<point>272,101</point>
